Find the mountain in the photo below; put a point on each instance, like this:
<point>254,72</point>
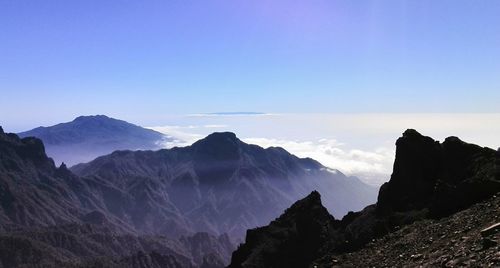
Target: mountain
<point>88,137</point>
<point>218,185</point>
<point>292,240</point>
<point>180,207</point>
<point>430,182</point>
<point>51,217</point>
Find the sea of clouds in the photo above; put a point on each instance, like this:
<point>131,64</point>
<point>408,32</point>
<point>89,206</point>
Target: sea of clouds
<point>361,145</point>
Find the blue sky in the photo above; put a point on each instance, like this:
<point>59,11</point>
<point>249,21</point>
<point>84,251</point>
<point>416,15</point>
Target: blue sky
<point>138,60</point>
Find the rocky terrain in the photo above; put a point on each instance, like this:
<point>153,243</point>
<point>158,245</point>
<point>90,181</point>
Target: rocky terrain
<point>84,245</point>
<point>88,137</point>
<point>423,208</point>
<point>454,241</point>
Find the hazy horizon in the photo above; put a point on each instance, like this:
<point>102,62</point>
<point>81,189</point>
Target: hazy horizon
<point>361,145</point>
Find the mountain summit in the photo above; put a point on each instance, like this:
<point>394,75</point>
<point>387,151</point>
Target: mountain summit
<point>87,137</point>
<point>219,184</point>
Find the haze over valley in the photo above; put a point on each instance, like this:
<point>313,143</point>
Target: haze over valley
<point>249,134</point>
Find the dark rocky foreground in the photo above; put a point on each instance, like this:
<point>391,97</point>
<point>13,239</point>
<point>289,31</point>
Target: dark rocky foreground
<point>453,241</point>
<point>424,210</point>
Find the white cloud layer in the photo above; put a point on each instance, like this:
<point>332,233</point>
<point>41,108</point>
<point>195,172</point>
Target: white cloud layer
<point>373,166</point>
<point>356,144</point>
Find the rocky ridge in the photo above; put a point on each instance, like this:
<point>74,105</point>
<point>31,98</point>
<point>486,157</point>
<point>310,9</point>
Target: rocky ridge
<point>430,181</point>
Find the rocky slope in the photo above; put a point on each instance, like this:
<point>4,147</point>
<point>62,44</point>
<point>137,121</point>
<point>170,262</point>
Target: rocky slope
<point>451,241</point>
<point>219,184</point>
<point>84,245</point>
<point>88,137</point>
<point>430,180</point>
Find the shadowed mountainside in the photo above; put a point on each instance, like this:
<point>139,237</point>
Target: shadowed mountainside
<point>430,180</point>
<point>51,217</point>
<point>169,207</point>
<point>88,137</point>
<point>220,184</point>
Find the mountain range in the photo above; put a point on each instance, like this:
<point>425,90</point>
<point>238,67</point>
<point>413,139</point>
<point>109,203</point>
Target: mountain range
<point>217,185</point>
<point>188,206</point>
<point>88,137</point>
<point>53,218</point>
<point>180,207</point>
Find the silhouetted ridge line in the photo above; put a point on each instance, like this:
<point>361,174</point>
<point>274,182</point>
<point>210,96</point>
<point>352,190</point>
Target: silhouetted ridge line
<point>429,180</point>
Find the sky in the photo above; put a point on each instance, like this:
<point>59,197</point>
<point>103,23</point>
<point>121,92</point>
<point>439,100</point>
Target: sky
<point>141,59</point>
<point>335,80</point>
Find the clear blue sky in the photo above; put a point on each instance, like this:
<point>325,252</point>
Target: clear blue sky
<point>138,59</point>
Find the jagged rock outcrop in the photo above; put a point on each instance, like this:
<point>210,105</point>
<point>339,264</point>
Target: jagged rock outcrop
<point>441,177</point>
<point>87,137</point>
<point>294,239</point>
<point>430,180</point>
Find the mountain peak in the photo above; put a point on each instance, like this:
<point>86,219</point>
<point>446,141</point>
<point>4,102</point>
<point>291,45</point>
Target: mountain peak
<point>306,225</point>
<point>92,136</point>
<point>309,205</point>
<point>308,202</point>
<point>411,133</point>
<point>219,145</point>
<point>222,136</point>
<point>91,117</point>
<point>222,139</point>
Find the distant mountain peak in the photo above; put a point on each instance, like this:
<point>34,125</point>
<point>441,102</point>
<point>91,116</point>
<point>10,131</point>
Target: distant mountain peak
<point>221,137</point>
<point>219,145</point>
<point>92,117</point>
<point>87,137</point>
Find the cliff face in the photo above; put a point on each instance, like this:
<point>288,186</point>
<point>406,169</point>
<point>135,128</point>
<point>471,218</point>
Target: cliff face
<point>430,180</point>
<point>441,177</point>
